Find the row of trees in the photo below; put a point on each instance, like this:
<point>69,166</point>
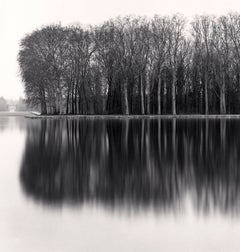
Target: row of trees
<point>135,65</point>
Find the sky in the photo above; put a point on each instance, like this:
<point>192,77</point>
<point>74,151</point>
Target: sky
<point>19,17</point>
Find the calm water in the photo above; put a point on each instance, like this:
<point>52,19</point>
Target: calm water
<point>119,185</point>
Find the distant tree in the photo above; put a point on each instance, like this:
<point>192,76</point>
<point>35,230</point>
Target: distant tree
<point>3,104</point>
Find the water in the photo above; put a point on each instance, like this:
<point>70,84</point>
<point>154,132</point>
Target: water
<point>119,185</point>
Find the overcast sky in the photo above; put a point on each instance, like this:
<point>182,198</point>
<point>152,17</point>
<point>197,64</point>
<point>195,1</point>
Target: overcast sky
<point>18,17</point>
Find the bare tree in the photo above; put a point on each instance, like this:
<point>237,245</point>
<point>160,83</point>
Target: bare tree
<point>160,28</point>
<point>134,65</point>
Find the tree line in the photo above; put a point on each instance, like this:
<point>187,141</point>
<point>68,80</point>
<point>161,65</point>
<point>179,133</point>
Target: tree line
<point>135,65</point>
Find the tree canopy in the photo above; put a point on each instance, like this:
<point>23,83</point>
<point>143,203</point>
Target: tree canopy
<point>135,65</point>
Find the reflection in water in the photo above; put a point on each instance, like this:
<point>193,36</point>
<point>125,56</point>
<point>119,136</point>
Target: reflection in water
<point>134,163</point>
<point>10,122</point>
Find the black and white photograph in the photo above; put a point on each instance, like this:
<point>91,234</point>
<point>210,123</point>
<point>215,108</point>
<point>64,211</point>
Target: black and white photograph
<point>119,126</point>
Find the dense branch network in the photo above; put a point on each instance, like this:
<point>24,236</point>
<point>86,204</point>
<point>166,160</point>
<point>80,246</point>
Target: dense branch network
<point>135,65</point>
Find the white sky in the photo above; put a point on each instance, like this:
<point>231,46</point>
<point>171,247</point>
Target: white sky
<point>18,17</point>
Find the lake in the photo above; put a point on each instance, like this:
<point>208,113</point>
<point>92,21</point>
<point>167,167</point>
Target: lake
<point>119,185</point>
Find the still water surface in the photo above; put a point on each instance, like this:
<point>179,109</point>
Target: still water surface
<point>119,185</point>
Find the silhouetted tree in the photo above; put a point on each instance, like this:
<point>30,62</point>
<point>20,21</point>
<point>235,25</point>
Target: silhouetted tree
<point>135,65</point>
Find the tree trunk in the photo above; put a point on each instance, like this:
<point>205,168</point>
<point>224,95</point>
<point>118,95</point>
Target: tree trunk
<point>174,92</point>
<point>223,97</point>
<point>109,103</point>
<point>206,93</point>
<point>61,108</point>
<point>125,99</point>
<point>43,102</point>
<point>75,102</point>
<point>165,94</point>
<point>43,108</point>
<point>72,100</point>
<point>159,95</point>
<point>148,93</point>
<point>67,103</point>
<point>142,96</point>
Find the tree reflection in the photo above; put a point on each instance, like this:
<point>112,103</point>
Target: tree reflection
<point>134,163</point>
<point>10,122</point>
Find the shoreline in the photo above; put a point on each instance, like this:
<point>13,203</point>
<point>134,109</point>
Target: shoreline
<point>12,114</point>
<point>193,116</point>
<point>30,115</point>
